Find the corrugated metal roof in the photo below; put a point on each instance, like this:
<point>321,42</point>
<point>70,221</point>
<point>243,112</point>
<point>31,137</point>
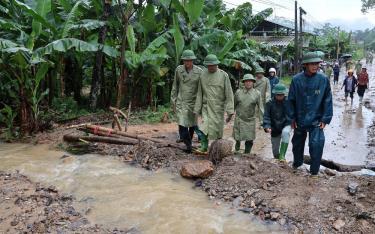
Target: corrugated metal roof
<point>273,40</point>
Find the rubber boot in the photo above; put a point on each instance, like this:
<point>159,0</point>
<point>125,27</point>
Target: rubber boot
<point>248,146</point>
<point>283,149</point>
<point>204,145</point>
<point>188,144</point>
<point>237,146</point>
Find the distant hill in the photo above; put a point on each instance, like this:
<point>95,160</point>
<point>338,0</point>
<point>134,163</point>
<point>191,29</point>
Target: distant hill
<point>352,24</point>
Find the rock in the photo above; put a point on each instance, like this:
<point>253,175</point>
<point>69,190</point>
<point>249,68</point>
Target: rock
<point>252,204</point>
<point>330,172</point>
<point>219,150</point>
<point>246,210</point>
<point>275,216</point>
<point>197,169</point>
<point>282,222</point>
<point>338,224</point>
<point>253,166</point>
<point>352,188</point>
<point>14,223</point>
<point>67,159</point>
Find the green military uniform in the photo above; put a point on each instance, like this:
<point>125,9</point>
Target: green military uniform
<point>215,96</point>
<point>183,95</point>
<point>245,103</point>
<point>264,87</point>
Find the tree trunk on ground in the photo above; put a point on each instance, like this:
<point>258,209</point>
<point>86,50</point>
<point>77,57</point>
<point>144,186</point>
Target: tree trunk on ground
<point>97,71</point>
<point>102,139</point>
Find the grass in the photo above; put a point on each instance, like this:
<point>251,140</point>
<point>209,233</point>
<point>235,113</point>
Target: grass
<point>149,116</point>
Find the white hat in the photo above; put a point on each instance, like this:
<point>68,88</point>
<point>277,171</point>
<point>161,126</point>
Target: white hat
<point>364,67</point>
<point>272,70</point>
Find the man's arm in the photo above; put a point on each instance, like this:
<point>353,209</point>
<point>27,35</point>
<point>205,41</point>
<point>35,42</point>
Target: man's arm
<point>199,99</point>
<point>229,102</point>
<point>267,116</point>
<point>327,105</point>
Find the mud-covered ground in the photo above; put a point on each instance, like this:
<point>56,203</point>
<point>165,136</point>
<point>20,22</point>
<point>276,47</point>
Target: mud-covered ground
<point>28,207</point>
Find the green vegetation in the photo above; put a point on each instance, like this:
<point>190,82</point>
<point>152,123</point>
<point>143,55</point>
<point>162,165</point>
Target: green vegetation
<point>286,80</point>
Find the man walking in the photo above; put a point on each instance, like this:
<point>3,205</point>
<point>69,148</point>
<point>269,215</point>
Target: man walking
<point>363,83</point>
<point>246,100</point>
<point>310,110</point>
<point>214,97</point>
<point>277,123</point>
<point>350,83</point>
<point>262,84</point>
<point>183,96</point>
<point>336,73</point>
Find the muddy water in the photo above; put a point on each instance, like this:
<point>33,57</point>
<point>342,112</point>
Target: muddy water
<point>117,195</point>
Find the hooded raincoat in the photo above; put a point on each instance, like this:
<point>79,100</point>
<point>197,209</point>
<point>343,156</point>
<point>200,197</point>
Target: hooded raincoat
<point>214,97</point>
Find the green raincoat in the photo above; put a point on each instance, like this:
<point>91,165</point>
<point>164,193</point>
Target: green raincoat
<point>264,87</point>
<point>245,103</point>
<point>183,94</point>
<point>215,96</point>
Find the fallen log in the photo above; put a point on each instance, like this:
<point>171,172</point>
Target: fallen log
<point>98,133</point>
<point>109,140</point>
<point>110,132</point>
<point>337,166</point>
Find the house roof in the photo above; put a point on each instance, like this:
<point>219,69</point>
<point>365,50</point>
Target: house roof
<point>273,40</point>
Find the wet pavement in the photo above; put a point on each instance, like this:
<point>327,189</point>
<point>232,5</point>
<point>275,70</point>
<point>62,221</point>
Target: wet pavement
<point>346,136</point>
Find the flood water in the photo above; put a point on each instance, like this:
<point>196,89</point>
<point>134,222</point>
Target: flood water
<point>114,194</point>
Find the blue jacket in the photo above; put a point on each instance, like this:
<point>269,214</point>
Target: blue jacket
<point>354,84</point>
<point>276,116</point>
<point>310,100</point>
<point>273,81</point>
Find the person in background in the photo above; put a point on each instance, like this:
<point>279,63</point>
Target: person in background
<point>274,80</point>
<point>262,84</point>
<point>214,97</point>
<point>336,73</point>
<point>183,95</point>
<point>246,100</point>
<point>350,83</point>
<point>329,71</point>
<point>358,67</point>
<point>277,123</point>
<point>363,83</point>
<point>310,110</point>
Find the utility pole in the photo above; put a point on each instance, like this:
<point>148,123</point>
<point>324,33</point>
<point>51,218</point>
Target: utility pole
<point>338,44</point>
<point>296,54</point>
<point>301,12</point>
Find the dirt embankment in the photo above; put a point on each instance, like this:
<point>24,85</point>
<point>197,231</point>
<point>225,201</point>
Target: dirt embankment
<point>28,207</point>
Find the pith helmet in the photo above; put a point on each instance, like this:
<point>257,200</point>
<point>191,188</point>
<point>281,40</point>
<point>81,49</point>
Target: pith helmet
<point>188,55</point>
<point>259,70</point>
<point>248,77</point>
<point>211,59</point>
<point>279,89</point>
<point>311,57</point>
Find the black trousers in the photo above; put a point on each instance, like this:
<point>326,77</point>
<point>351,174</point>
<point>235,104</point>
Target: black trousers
<point>186,135</point>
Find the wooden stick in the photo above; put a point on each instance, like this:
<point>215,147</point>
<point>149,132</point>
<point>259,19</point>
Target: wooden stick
<point>84,124</point>
<point>98,133</point>
<point>128,116</point>
<point>109,140</point>
<point>117,121</point>
<point>117,111</point>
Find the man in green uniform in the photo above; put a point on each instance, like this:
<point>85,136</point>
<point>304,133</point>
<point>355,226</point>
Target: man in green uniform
<point>246,100</point>
<point>183,95</point>
<point>214,97</point>
<point>358,67</point>
<point>263,86</point>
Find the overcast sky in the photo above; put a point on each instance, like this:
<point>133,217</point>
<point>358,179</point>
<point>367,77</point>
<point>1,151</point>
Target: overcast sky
<point>344,13</point>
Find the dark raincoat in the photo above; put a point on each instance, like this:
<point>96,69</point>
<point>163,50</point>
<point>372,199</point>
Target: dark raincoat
<point>276,116</point>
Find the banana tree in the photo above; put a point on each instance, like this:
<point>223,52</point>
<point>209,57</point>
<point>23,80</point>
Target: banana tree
<point>145,64</point>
